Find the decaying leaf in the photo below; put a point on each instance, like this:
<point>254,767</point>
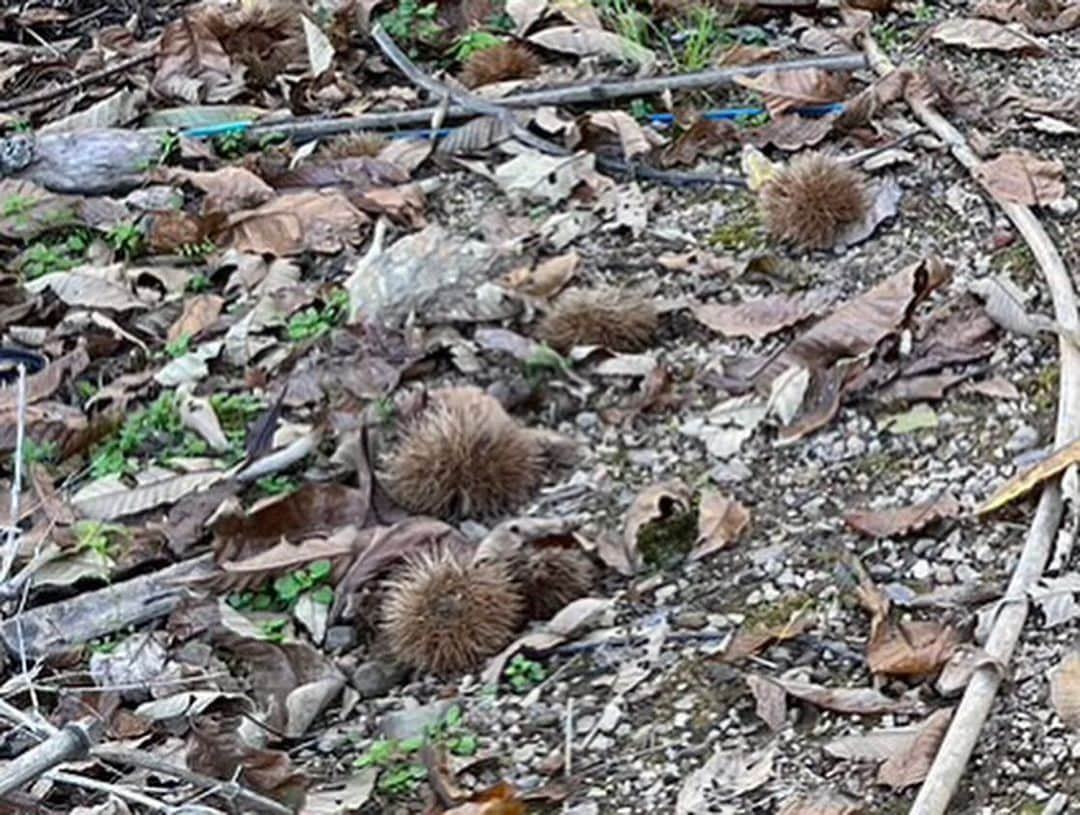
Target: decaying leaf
<point>1027,480</point>
<point>857,326</point>
<point>860,701</point>
<point>985,35</point>
<point>771,701</point>
<point>785,90</point>
<point>720,522</point>
<point>1065,689</point>
<point>193,66</point>
<point>751,640</point>
<point>584,41</point>
<point>730,772</point>
<point>1021,178</point>
<point>760,318</point>
<point>654,503</point>
<point>546,279</point>
<point>909,767</point>
<point>287,225</point>
<point>822,803</point>
<point>887,523</point>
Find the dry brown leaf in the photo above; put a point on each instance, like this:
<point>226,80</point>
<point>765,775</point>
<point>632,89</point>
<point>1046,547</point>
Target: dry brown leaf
<point>38,210</point>
<point>995,387</point>
<point>311,510</point>
<point>88,287</point>
<point>1039,18</point>
<point>632,136</point>
<point>200,312</point>
<point>823,803</point>
<point>284,557</point>
<point>1022,483</point>
<point>771,701</point>
<point>720,522</point>
<point>910,650</point>
<point>1065,689</point>
<point>192,64</point>
<point>655,502</point>
<point>705,137</point>
<point>748,642</point>
<point>860,324</point>
<point>315,221</point>
<point>111,499</point>
<point>499,800</point>
<point>910,767</point>
<point>985,35</point>
<point>582,41</point>
<point>887,523</point>
<point>228,189</point>
<point>785,90</point>
<point>860,701</point>
<point>1021,178</point>
<point>760,318</point>
<point>546,279</point>
<point>792,132</point>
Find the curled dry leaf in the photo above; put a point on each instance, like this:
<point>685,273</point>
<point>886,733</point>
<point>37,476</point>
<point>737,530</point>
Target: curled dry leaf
<point>228,189</point>
<point>1027,480</point>
<point>910,766</point>
<point>887,523</point>
<point>582,41</point>
<point>1021,178</point>
<point>860,324</point>
<point>200,312</point>
<point>985,35</point>
<point>750,641</point>
<point>859,701</point>
<point>784,90</point>
<point>315,221</point>
<point>1065,689</point>
<point>192,64</point>
<point>655,502</point>
<point>759,318</point>
<point>546,279</point>
<point>822,803</point>
<point>720,522</point>
<point>910,649</point>
<point>1040,18</point>
<point>771,701</point>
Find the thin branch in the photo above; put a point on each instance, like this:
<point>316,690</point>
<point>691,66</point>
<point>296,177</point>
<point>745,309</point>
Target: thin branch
<point>77,84</point>
<point>71,742</point>
<point>112,789</point>
<point>583,93</point>
<point>523,134</point>
<point>230,790</point>
<point>974,708</point>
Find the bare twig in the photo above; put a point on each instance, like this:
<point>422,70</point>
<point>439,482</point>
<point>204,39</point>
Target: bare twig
<point>77,84</point>
<point>112,789</point>
<point>248,800</point>
<point>959,742</point>
<point>69,743</point>
<point>314,128</point>
<point>523,134</point>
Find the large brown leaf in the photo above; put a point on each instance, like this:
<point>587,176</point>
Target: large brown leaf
<point>760,318</point>
<point>720,522</point>
<point>315,221</point>
<point>911,765</point>
<point>1039,18</point>
<point>784,90</point>
<point>1021,178</point>
<point>859,325</point>
<point>1065,689</point>
<point>887,523</point>
<point>985,35</point>
<point>860,701</point>
<point>192,64</point>
<point>228,189</point>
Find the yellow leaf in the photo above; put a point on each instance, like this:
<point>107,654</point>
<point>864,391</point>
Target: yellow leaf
<point>757,167</point>
<point>1021,484</point>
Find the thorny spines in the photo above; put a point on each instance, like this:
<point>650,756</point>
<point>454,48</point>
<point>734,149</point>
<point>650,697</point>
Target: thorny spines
<point>445,615</point>
<point>812,199</point>
<point>616,319</point>
<point>551,577</point>
<point>498,64</point>
<point>465,456</point>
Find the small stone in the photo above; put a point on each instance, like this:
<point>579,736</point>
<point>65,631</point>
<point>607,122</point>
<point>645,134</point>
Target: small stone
<point>586,420</point>
<point>376,678</point>
<point>921,570</point>
<point>693,620</point>
<point>414,720</point>
<point>1024,438</point>
<point>665,594</point>
<point>339,638</point>
<point>583,725</point>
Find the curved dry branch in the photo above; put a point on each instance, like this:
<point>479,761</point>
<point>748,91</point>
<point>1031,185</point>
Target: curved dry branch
<point>959,743</point>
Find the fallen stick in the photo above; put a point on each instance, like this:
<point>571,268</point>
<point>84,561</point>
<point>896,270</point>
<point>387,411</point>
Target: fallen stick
<point>314,128</point>
<point>70,742</point>
<point>248,800</point>
<point>77,84</point>
<point>520,132</point>
<point>974,708</point>
<point>46,630</point>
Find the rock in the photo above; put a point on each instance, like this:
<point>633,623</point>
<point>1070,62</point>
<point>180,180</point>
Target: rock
<point>340,638</point>
<point>921,570</point>
<point>414,719</point>
<point>1024,438</point>
<point>693,620</point>
<point>436,275</point>
<point>376,678</point>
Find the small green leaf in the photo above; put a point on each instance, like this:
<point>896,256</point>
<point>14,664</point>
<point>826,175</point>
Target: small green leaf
<point>324,596</point>
<point>464,745</point>
<point>319,570</point>
<point>287,587</point>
